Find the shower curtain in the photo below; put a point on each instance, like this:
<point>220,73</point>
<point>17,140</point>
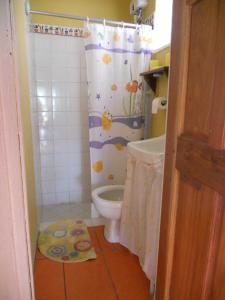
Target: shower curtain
<point>115,57</point>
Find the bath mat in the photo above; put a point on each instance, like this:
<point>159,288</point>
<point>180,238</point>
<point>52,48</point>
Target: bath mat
<point>67,241</point>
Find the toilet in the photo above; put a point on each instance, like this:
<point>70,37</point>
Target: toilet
<point>108,202</point>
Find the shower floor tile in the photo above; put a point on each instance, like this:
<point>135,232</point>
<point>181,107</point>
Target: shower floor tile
<point>115,274</point>
<point>52,213</point>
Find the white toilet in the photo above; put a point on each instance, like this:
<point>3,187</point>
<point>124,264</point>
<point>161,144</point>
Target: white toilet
<point>108,202</point>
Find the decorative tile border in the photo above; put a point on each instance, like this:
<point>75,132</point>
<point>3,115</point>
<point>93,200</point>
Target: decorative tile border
<point>57,30</point>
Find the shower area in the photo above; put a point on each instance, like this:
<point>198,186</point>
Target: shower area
<point>60,124</point>
<point>80,126</point>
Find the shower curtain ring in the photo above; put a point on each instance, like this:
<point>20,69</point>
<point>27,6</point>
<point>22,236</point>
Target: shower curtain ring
<point>87,21</point>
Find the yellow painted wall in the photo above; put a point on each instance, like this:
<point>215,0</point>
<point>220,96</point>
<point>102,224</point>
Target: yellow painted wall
<point>158,124</point>
<point>149,9</point>
<point>159,120</point>
<point>108,9</point>
<point>26,117</point>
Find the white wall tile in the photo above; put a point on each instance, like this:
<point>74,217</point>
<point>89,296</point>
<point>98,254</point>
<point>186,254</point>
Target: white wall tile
<point>45,119</point>
<point>33,87</point>
<point>59,89</point>
<point>43,73</point>
<point>80,181</point>
<point>35,120</point>
<point>62,185</point>
<point>62,159</point>
<point>34,105</point>
<point>39,199</point>
<point>48,186</point>
<point>73,60</point>
<point>74,118</point>
<point>75,196</point>
<point>73,74</point>
<point>44,104</point>
<point>62,197</point>
<point>61,172</point>
<point>59,73</point>
<point>46,147</point>
<point>59,59</point>
<point>58,43</point>
<point>42,59</point>
<point>61,146</point>
<point>42,43</point>
<point>75,171</point>
<point>80,195</point>
<point>47,160</point>
<point>48,174</point>
<point>74,146</point>
<point>80,158</point>
<point>61,136</point>
<point>70,45</point>
<point>60,119</point>
<point>60,104</point>
<point>61,133</point>
<point>76,132</point>
<point>49,198</point>
<point>73,90</point>
<point>73,104</point>
<point>44,89</point>
<point>78,45</point>
<point>46,133</point>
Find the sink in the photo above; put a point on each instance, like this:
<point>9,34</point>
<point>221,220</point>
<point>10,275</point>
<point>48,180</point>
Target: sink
<point>149,151</point>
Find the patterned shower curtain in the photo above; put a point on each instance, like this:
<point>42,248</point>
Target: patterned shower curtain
<point>115,57</point>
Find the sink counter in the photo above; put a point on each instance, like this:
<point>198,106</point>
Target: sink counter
<point>150,151</point>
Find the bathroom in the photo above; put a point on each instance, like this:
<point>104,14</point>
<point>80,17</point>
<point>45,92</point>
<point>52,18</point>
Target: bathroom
<point>112,178</point>
<point>76,126</point>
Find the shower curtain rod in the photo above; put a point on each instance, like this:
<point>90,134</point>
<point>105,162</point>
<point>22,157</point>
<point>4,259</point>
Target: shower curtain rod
<point>94,20</point>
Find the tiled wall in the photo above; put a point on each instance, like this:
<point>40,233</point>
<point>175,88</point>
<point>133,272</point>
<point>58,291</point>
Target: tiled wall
<point>34,117</point>
<point>61,108</point>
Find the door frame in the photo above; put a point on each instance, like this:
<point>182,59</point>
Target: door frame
<point>15,253</point>
<point>176,106</point>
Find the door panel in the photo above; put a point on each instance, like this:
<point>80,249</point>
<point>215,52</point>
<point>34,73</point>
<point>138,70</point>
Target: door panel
<point>218,288</point>
<point>192,239</point>
<point>217,121</point>
<point>201,66</point>
<point>194,230</point>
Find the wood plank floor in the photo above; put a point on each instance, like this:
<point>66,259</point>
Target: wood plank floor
<point>114,275</point>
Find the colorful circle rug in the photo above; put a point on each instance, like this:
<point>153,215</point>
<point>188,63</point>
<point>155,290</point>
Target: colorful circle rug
<point>67,241</point>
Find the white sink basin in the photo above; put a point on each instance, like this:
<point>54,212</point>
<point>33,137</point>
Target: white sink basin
<point>149,151</point>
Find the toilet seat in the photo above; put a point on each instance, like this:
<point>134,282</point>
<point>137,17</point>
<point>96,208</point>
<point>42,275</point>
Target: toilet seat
<point>109,209</point>
<point>111,203</point>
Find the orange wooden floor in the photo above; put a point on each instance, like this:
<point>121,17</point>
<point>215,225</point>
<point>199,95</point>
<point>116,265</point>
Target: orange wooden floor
<point>115,274</point>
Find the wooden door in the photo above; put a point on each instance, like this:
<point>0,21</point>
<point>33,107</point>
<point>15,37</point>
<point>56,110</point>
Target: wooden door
<point>192,239</point>
<point>16,272</point>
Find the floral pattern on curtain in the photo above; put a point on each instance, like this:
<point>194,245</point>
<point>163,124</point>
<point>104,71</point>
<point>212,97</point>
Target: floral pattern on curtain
<point>115,57</point>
